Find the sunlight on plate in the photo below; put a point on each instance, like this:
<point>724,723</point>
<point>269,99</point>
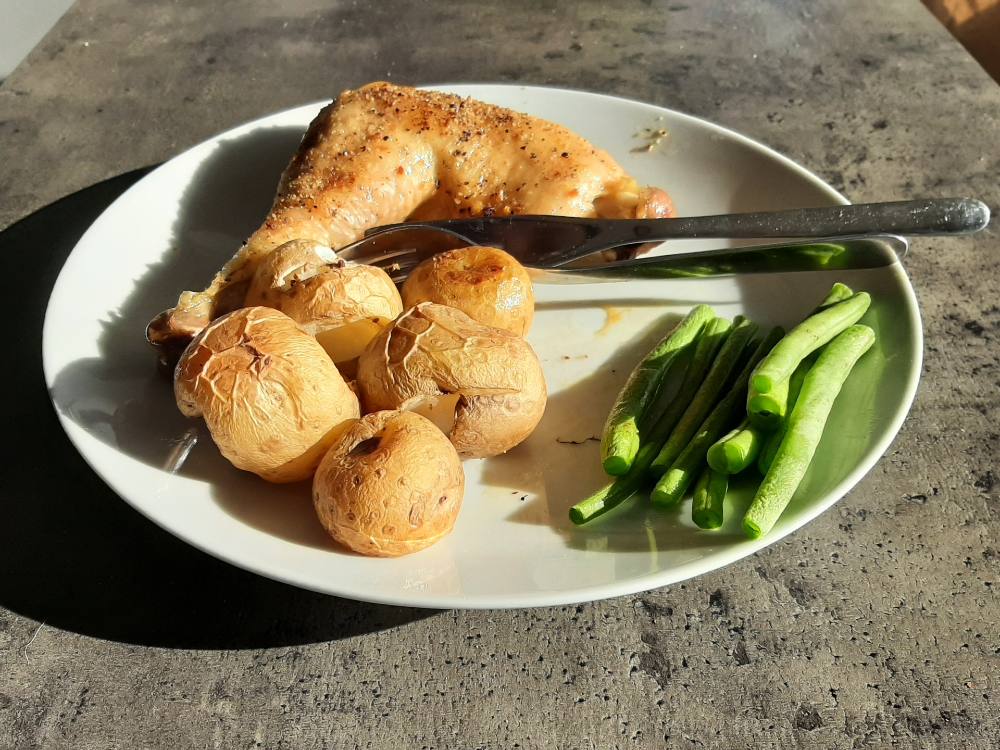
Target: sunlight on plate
<point>513,544</point>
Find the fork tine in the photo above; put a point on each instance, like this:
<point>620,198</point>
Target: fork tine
<point>386,244</point>
<point>399,271</point>
<point>388,257</point>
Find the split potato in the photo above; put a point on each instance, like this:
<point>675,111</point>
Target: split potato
<point>487,381</point>
<point>343,305</point>
<point>485,283</point>
<point>271,397</point>
<point>389,485</point>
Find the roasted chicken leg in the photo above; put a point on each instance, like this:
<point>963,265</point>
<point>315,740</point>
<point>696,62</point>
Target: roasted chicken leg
<point>383,154</point>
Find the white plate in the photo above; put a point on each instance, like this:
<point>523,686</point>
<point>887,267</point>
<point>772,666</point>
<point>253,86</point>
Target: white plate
<point>513,545</point>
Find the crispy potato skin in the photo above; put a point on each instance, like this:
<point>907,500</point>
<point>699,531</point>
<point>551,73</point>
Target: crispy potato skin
<point>343,305</point>
<point>307,282</point>
<point>432,350</point>
<point>271,397</point>
<point>390,484</point>
<point>485,283</point>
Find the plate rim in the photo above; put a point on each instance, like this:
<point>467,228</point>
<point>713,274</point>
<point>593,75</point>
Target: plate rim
<point>586,593</point>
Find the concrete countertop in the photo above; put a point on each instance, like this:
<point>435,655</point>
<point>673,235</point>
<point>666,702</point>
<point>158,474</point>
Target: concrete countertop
<point>874,625</point>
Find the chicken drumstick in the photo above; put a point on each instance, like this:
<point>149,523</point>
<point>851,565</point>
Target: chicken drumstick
<point>383,154</point>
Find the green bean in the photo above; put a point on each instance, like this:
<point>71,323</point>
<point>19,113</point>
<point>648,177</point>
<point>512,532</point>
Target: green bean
<point>770,446</point>
<point>620,440</point>
<point>805,338</point>
<point>768,450</point>
<point>707,395</point>
<point>618,491</point>
<point>626,485</point>
<point>838,293</point>
<point>768,410</point>
<point>671,486</point>
<point>709,497</point>
<point>668,409</point>
<point>736,450</point>
<point>820,388</point>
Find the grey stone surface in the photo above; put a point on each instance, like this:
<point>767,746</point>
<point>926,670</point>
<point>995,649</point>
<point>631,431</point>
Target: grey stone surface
<point>874,626</point>
<point>24,26</point>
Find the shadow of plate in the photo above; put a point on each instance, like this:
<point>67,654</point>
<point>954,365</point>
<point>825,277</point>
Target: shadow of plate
<point>78,558</point>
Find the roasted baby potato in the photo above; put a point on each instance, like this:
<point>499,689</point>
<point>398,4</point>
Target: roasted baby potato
<point>485,283</point>
<point>433,354</point>
<point>389,485</point>
<point>271,397</point>
<point>343,305</point>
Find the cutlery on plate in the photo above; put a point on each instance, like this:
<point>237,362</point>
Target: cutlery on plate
<point>554,241</point>
<point>833,253</point>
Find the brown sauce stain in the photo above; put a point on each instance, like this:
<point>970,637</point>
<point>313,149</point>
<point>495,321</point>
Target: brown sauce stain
<point>612,317</point>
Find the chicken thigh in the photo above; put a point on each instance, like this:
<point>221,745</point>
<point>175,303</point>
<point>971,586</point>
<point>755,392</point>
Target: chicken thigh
<point>383,154</point>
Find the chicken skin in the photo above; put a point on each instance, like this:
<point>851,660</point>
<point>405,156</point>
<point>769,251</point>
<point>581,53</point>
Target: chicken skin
<point>383,154</point>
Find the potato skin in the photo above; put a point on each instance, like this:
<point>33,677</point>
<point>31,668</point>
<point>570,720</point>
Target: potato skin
<point>271,397</point>
<point>390,484</point>
<point>485,283</point>
<point>433,350</point>
<point>307,282</point>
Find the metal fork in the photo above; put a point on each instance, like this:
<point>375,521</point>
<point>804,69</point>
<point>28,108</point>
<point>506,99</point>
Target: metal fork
<point>825,254</point>
<point>553,241</point>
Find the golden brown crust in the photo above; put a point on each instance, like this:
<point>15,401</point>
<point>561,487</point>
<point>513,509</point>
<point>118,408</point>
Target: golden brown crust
<point>485,283</point>
<point>391,484</point>
<point>433,350</point>
<point>382,154</point>
<point>325,296</point>
<point>270,396</point>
